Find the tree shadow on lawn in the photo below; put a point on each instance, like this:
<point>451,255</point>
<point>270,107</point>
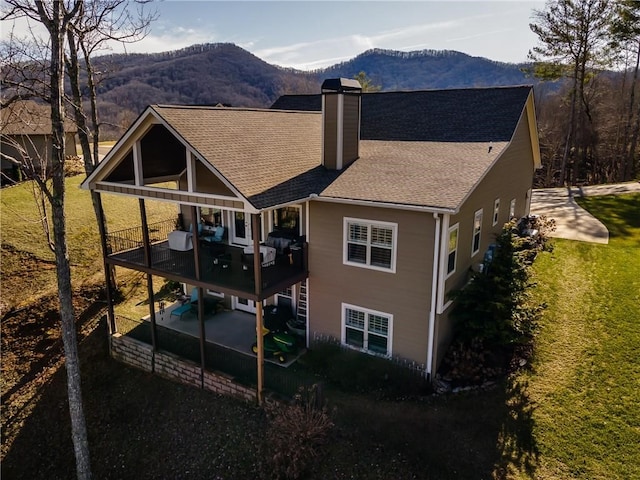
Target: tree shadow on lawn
<point>617,212</point>
<point>475,434</point>
<point>141,426</point>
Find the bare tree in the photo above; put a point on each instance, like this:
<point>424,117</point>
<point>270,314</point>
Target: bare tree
<point>625,39</point>
<point>98,22</point>
<point>573,40</point>
<point>69,24</point>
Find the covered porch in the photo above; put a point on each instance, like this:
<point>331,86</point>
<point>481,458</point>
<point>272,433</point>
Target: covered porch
<point>226,349</point>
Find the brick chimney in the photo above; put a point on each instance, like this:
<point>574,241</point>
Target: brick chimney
<point>341,122</point>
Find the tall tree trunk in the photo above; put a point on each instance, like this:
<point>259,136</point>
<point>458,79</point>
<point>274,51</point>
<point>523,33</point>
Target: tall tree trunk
<point>90,160</point>
<point>57,29</point>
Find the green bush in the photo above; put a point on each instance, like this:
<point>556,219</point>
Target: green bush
<point>495,305</point>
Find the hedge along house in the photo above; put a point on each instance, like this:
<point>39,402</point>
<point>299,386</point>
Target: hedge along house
<point>367,209</point>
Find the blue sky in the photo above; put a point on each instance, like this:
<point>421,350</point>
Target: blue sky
<point>315,34</point>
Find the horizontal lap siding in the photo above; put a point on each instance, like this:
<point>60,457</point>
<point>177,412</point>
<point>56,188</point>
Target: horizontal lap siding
<point>404,294</point>
<point>511,177</point>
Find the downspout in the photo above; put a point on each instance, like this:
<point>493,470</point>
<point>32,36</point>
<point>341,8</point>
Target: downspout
<point>434,292</point>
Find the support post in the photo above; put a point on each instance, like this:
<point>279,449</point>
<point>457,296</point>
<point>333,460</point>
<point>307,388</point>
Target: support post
<point>111,318</point>
<point>196,258</point>
<point>260,341</point>
<point>147,260</point>
<point>257,276</point>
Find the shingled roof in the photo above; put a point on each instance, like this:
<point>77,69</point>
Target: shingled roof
<point>436,175</point>
<point>27,117</point>
<point>457,115</point>
<point>269,156</point>
<point>427,149</point>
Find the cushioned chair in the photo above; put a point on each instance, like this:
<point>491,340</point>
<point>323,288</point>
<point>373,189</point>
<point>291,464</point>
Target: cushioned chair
<point>219,234</point>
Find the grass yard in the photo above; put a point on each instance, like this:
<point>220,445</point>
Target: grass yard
<point>22,232</point>
<point>573,415</point>
<point>585,382</point>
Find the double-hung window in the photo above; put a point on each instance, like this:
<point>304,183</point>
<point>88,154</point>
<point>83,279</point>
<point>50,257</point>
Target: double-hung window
<point>512,208</point>
<point>477,230</point>
<point>496,211</point>
<point>366,330</point>
<point>453,249</point>
<point>370,244</point>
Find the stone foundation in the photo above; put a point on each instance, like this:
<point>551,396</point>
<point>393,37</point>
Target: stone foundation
<point>141,355</point>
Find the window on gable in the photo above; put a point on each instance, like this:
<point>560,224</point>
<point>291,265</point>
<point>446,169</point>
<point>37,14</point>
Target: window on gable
<point>367,330</point>
<point>453,249</point>
<point>496,211</point>
<point>370,244</point>
<point>512,208</point>
<point>477,230</point>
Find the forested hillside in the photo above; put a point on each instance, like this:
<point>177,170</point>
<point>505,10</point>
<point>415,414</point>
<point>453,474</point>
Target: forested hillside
<point>227,74</point>
<point>202,74</point>
<point>393,70</point>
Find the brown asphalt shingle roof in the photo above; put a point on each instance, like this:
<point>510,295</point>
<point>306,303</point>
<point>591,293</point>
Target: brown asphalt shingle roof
<point>429,174</point>
<point>274,156</point>
<point>263,153</point>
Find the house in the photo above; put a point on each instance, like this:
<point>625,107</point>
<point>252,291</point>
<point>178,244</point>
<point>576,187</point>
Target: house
<point>361,211</point>
<point>26,127</point>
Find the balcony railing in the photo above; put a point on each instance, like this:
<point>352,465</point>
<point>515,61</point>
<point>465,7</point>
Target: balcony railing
<point>221,265</point>
<point>132,238</point>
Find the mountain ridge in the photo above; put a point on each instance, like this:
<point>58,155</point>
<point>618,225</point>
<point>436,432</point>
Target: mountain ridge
<point>224,73</point>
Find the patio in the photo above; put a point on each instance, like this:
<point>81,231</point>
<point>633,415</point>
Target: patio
<point>231,329</point>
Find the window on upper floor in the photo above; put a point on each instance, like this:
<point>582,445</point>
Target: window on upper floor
<point>366,330</point>
<point>453,249</point>
<point>496,211</point>
<point>477,230</point>
<point>370,244</point>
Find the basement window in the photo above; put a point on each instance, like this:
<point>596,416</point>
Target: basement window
<point>366,330</point>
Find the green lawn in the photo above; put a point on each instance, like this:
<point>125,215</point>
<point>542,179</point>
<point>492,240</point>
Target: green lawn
<point>575,414</point>
<point>22,228</point>
<point>585,383</point>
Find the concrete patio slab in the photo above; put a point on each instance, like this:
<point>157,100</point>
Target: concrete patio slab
<point>572,221</point>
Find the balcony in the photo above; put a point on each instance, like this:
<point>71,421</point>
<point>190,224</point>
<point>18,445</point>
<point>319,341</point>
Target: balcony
<point>220,267</point>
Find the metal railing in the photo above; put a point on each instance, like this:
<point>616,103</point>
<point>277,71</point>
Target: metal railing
<point>132,238</point>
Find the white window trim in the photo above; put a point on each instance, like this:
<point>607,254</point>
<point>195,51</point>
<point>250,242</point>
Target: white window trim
<point>369,223</point>
<point>366,311</point>
<point>478,213</point>
<point>512,208</point>
<point>447,252</point>
<point>213,293</point>
<point>496,211</point>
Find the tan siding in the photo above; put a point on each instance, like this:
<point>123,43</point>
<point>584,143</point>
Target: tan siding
<point>351,127</point>
<point>330,131</point>
<point>207,182</point>
<point>405,294</point>
<point>511,177</point>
